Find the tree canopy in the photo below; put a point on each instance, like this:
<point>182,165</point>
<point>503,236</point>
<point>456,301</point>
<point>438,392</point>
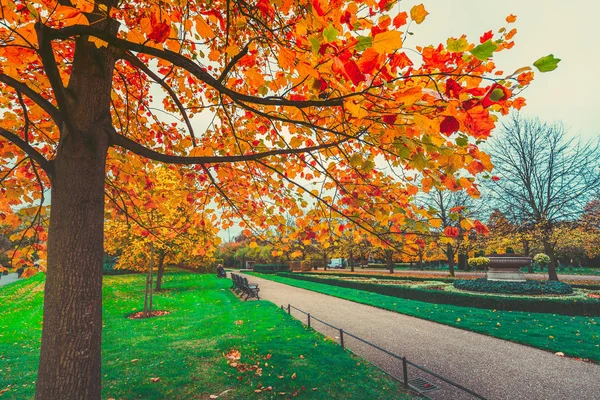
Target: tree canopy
<point>275,106</point>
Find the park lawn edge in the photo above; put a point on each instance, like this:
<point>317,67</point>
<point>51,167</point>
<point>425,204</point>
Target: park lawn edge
<point>186,349</point>
<point>575,336</point>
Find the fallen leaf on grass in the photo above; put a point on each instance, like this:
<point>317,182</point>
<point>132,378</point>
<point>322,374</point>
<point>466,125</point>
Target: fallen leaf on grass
<point>294,375</point>
<point>135,360</point>
<point>239,322</point>
<point>154,379</point>
<point>233,355</point>
<point>213,396</point>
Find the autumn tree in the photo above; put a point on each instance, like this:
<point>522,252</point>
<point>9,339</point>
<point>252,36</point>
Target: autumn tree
<point>180,227</point>
<point>545,178</point>
<point>290,92</point>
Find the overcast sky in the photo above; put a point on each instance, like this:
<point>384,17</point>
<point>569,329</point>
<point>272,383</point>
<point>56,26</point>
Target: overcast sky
<point>568,29</point>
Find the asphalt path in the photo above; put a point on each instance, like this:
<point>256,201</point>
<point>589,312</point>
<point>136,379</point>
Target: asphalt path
<point>493,368</point>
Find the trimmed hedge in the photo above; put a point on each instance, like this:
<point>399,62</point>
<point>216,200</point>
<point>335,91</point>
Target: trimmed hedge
<point>550,305</point>
<point>271,268</point>
<point>383,276</point>
<point>527,287</point>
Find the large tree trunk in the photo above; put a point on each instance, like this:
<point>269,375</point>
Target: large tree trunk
<point>70,358</point>
<point>450,257</point>
<point>70,354</point>
<point>161,271</point>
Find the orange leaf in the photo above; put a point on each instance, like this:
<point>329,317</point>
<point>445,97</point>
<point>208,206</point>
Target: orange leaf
<point>418,13</point>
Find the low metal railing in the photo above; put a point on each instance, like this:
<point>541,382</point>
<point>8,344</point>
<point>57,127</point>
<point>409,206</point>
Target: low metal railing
<point>405,362</point>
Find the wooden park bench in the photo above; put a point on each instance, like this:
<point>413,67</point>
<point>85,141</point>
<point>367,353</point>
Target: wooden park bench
<point>242,287</point>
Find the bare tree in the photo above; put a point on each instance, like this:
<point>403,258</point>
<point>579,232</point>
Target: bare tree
<point>545,177</point>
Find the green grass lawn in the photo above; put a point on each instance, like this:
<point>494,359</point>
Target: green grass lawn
<point>574,336</point>
<point>186,348</point>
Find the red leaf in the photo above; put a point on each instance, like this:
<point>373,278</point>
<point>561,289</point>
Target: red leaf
<point>390,119</point>
<point>495,178</point>
<point>451,231</point>
<point>468,104</point>
<point>481,228</point>
<point>354,72</point>
<point>369,61</point>
<point>453,88</point>
<point>400,60</point>
<point>400,19</point>
<point>449,125</point>
<point>317,8</point>
<point>160,31</point>
<point>486,36</point>
<point>496,94</point>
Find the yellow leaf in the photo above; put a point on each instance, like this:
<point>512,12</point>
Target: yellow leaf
<point>356,110</point>
<point>204,29</point>
<point>232,50</point>
<point>435,222</point>
<point>98,42</point>
<point>418,13</point>
<point>253,245</point>
<point>387,42</point>
<point>467,224</point>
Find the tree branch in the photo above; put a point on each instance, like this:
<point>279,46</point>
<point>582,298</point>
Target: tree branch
<point>46,165</point>
<point>187,64</point>
<point>137,63</point>
<point>143,151</point>
<point>34,96</point>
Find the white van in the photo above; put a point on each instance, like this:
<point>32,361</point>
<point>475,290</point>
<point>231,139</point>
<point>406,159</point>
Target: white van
<point>337,263</point>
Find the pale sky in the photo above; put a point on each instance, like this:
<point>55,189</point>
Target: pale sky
<point>568,29</point>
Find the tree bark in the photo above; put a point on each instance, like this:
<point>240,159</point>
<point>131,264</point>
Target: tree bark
<point>389,260</point>
<point>549,250</point>
<point>70,360</point>
<point>450,256</point>
<point>70,353</point>
<point>161,270</point>
<point>526,251</point>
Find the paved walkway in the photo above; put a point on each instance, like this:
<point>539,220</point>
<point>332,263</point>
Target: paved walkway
<point>494,368</point>
<point>10,278</point>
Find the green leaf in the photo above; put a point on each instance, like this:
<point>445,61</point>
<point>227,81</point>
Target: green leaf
<point>356,160</point>
<point>496,94</point>
<point>462,141</point>
<point>364,42</point>
<point>484,50</point>
<point>330,33</point>
<point>547,64</point>
<point>457,45</point>
<point>316,45</point>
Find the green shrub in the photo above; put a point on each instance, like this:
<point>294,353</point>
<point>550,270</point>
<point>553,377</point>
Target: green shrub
<point>479,263</point>
<point>271,268</point>
<point>541,259</point>
<point>527,287</point>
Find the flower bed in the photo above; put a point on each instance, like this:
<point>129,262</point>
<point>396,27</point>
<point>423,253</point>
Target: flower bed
<point>528,287</point>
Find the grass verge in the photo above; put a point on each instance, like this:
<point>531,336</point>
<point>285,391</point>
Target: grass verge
<point>575,336</point>
<point>185,349</point>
